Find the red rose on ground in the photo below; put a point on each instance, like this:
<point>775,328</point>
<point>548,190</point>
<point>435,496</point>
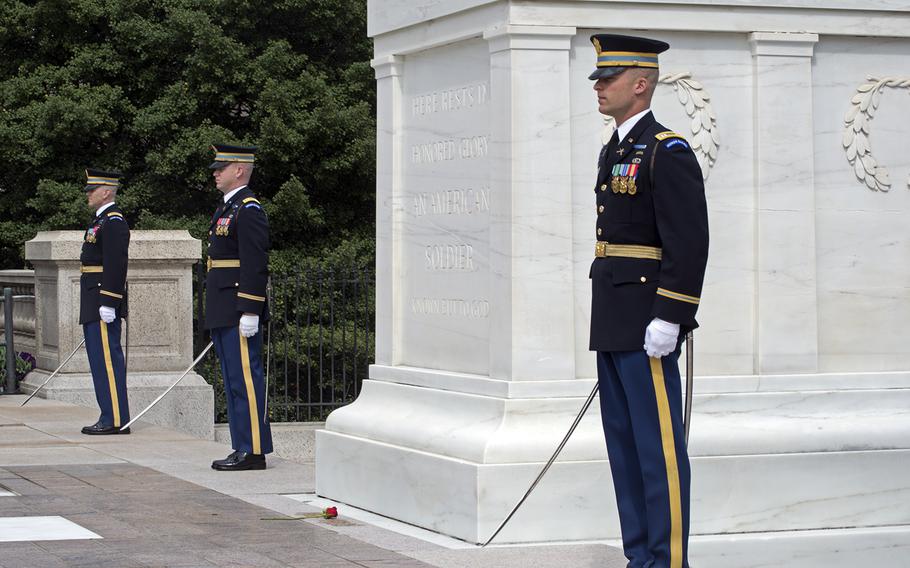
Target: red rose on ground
<point>330,512</point>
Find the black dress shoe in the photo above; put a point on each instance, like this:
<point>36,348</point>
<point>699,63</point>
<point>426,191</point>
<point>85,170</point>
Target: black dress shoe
<point>97,429</point>
<point>225,461</point>
<point>239,461</point>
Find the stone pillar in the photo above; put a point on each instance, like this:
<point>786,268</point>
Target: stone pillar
<point>531,218</point>
<point>787,302</point>
<point>159,326</point>
<point>388,208</point>
<point>475,381</point>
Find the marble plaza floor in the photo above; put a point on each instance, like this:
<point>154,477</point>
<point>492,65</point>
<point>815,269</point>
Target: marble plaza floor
<point>151,500</point>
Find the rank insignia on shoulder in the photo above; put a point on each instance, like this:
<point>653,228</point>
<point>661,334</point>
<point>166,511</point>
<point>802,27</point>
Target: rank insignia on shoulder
<point>666,134</point>
<point>676,142</point>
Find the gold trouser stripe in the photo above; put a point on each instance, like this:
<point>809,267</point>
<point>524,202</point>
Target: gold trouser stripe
<point>112,383</point>
<point>112,295</point>
<point>91,269</point>
<point>250,392</point>
<point>604,249</point>
<point>250,297</point>
<point>669,447</point>
<point>678,296</point>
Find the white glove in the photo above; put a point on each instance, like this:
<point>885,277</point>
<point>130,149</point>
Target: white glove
<point>660,337</point>
<point>249,325</point>
<point>107,313</point>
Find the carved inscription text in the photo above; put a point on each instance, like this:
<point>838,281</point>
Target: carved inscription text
<point>452,202</point>
<point>468,96</point>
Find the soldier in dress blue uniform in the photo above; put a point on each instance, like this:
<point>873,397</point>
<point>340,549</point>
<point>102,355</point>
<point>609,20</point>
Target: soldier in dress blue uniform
<point>236,307</point>
<point>102,300</point>
<point>650,257</point>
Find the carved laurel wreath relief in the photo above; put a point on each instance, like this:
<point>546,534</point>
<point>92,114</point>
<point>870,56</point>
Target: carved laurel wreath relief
<point>695,99</point>
<point>856,132</point>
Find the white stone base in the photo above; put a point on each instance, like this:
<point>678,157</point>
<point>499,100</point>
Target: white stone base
<point>295,441</point>
<point>834,548</point>
<point>763,460</point>
<point>188,408</point>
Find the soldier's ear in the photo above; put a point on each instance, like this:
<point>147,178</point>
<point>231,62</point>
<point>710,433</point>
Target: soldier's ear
<point>641,84</point>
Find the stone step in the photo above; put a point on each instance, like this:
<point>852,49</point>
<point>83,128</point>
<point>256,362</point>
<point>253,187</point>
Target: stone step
<point>763,461</point>
<point>833,548</point>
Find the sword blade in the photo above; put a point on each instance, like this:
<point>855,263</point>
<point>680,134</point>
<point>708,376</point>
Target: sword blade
<point>268,355</point>
<point>54,374</point>
<point>126,351</point>
<point>549,462</point>
<point>170,388</point>
<point>690,366</point>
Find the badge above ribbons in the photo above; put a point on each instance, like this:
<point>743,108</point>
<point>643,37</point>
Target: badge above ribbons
<point>624,178</point>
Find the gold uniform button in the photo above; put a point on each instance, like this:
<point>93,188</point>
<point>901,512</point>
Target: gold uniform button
<point>643,279</point>
<point>600,209</point>
<point>599,231</point>
<point>603,187</point>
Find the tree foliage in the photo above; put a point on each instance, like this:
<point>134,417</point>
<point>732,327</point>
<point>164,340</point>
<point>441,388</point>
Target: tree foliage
<point>146,86</point>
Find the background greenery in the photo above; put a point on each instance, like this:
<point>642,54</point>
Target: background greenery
<point>25,362</point>
<point>146,86</point>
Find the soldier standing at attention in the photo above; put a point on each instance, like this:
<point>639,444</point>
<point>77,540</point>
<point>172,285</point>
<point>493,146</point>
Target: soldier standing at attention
<point>235,305</point>
<point>650,257</point>
<point>102,300</point>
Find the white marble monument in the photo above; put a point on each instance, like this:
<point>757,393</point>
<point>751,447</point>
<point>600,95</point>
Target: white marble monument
<point>488,136</point>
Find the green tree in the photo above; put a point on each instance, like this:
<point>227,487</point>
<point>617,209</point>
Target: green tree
<point>146,86</point>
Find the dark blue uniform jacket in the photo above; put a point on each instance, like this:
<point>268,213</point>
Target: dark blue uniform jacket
<point>106,246</point>
<point>239,241</point>
<point>649,192</point>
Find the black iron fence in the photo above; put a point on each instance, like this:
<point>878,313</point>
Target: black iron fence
<point>318,343</point>
<point>16,364</point>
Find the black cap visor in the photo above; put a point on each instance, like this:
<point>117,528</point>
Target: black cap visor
<point>219,165</point>
<point>89,188</point>
<point>604,72</point>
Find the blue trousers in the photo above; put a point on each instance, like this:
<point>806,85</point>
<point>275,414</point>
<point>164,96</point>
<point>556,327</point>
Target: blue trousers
<point>244,387</point>
<point>105,359</point>
<point>641,408</point>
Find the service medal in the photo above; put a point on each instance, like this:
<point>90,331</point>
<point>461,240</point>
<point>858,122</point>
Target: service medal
<point>633,171</point>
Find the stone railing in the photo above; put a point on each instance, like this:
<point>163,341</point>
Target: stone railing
<point>157,336</point>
